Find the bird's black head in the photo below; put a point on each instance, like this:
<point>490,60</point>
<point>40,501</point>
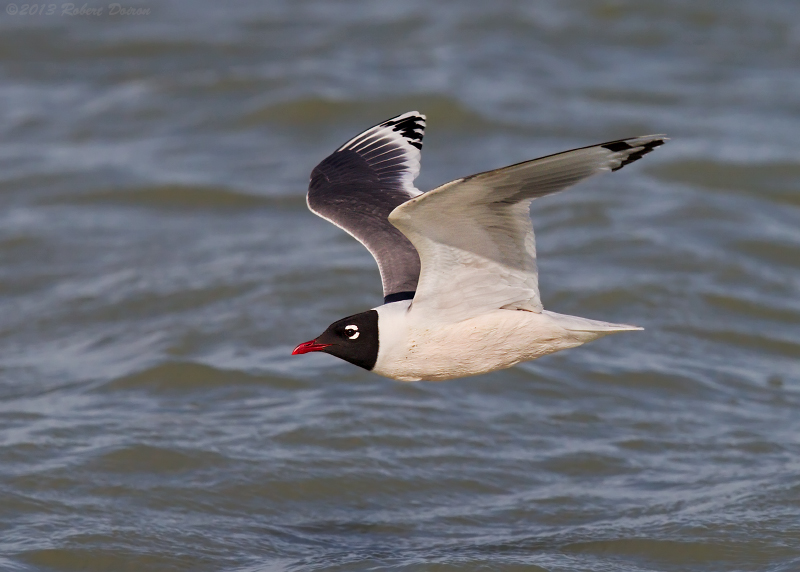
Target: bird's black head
<point>353,339</point>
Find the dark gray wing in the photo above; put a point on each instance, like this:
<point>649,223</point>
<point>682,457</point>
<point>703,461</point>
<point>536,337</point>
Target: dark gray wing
<point>357,187</point>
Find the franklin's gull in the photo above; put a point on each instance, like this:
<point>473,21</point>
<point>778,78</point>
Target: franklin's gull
<point>458,263</point>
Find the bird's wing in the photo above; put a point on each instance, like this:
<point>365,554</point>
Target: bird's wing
<point>357,187</point>
<point>474,235</point>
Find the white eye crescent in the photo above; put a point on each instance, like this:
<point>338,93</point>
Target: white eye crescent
<point>351,332</point>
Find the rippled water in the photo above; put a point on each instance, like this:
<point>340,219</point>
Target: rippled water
<point>158,264</point>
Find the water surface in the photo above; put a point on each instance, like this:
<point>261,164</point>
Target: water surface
<point>158,264</point>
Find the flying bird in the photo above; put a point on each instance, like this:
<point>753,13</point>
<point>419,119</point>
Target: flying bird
<point>458,263</point>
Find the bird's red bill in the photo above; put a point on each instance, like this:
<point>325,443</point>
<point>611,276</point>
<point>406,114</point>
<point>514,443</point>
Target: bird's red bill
<point>311,346</point>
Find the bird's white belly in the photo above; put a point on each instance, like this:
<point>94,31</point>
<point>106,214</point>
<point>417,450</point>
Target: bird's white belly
<point>497,340</point>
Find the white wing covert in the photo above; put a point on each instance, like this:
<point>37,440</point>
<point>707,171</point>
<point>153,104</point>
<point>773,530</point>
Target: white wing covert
<point>474,235</point>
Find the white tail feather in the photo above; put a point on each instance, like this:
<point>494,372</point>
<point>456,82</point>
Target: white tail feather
<point>576,324</point>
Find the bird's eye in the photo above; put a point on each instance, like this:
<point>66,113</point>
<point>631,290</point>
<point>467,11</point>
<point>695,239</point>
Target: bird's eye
<point>351,332</point>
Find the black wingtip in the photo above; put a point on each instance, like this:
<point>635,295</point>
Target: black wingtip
<point>410,125</point>
<point>623,145</point>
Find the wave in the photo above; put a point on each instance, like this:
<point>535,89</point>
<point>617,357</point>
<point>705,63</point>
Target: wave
<point>446,111</point>
<point>180,377</point>
<point>178,196</point>
<point>776,181</point>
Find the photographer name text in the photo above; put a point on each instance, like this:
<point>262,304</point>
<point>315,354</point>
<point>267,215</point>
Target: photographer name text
<point>70,9</point>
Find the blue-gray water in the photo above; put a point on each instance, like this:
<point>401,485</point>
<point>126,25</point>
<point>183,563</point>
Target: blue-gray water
<point>158,265</point>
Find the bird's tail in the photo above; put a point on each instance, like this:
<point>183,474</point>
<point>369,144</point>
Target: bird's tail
<point>576,324</point>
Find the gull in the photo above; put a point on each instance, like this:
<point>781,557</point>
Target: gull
<point>457,263</point>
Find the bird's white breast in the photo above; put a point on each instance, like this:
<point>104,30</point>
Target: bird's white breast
<point>414,347</point>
